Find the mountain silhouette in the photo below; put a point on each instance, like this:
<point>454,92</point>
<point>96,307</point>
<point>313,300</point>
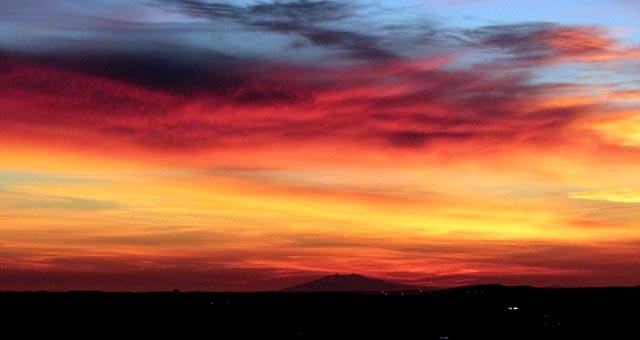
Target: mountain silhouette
<point>349,283</point>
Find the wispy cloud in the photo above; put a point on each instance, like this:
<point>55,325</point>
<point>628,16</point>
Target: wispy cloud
<point>537,44</point>
<point>626,195</point>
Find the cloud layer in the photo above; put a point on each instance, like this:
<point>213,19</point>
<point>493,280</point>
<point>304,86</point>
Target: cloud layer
<point>279,140</point>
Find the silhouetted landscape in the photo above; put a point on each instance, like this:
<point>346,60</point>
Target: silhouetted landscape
<point>350,283</point>
<point>470,312</point>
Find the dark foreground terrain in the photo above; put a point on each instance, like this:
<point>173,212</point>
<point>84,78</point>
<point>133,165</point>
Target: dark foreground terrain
<point>478,312</point>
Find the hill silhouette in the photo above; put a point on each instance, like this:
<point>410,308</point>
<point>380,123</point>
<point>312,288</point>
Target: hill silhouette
<point>349,283</point>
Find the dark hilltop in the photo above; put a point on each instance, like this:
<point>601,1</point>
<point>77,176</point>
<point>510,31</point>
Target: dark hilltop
<point>350,283</point>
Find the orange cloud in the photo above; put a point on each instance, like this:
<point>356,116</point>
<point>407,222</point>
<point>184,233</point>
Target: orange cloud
<point>538,44</point>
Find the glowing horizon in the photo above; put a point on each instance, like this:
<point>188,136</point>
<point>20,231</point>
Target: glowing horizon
<point>245,145</point>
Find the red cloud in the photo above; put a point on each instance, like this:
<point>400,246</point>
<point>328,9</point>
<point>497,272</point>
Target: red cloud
<point>397,104</point>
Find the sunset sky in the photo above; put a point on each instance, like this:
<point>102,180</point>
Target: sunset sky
<point>253,145</point>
